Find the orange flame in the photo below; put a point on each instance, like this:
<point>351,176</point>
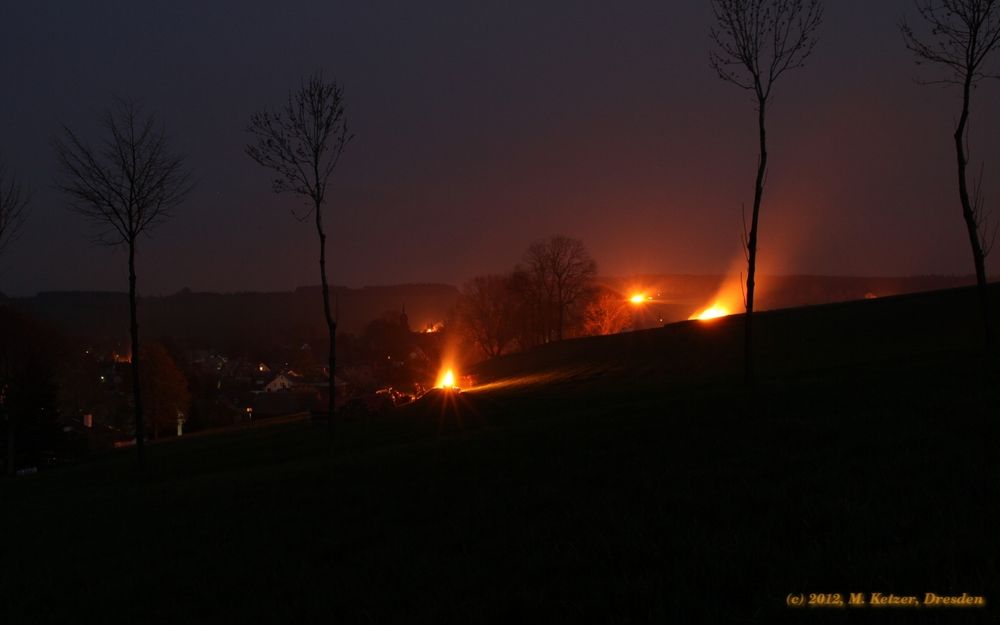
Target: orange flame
<point>712,312</point>
<point>446,379</point>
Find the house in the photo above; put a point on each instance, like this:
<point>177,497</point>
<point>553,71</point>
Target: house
<point>286,381</point>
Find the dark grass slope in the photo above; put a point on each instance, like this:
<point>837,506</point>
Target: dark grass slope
<point>789,342</point>
<point>633,485</point>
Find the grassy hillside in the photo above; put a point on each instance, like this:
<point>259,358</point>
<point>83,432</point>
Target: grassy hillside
<point>789,342</point>
<point>614,480</point>
<point>677,297</point>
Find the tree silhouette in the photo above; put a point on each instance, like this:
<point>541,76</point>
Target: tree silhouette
<point>128,184</point>
<point>302,143</point>
<point>13,206</point>
<point>561,272</point>
<point>607,312</point>
<point>164,387</point>
<point>29,351</point>
<point>486,310</point>
<point>757,41</point>
<point>962,36</point>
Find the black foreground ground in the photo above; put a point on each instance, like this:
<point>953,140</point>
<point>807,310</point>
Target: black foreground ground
<point>624,479</point>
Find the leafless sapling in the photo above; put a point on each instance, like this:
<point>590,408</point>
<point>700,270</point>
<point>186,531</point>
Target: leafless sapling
<point>959,37</point>
<point>302,142</point>
<point>127,183</point>
<point>756,42</point>
<point>13,206</point>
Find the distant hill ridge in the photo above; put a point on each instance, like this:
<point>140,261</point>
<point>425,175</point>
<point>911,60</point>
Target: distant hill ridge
<point>275,317</point>
<point>286,316</point>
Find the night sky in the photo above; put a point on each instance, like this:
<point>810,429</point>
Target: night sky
<point>480,127</point>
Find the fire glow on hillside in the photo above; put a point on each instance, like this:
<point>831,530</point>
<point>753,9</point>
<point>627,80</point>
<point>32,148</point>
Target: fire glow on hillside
<point>446,379</point>
<point>727,299</point>
<point>712,312</point>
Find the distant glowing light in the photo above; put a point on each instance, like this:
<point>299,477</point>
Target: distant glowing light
<point>638,298</point>
<point>446,380</point>
<point>711,313</point>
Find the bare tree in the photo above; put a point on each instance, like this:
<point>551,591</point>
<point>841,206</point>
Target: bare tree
<point>13,206</point>
<point>962,36</point>
<point>302,143</point>
<point>530,312</point>
<point>128,183</point>
<point>757,41</point>
<point>562,272</point>
<point>607,312</point>
<point>486,311</point>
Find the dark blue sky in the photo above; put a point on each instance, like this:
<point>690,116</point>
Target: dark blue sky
<point>481,126</point>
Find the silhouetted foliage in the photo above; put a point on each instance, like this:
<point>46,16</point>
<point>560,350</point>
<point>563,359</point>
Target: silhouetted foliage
<point>81,388</point>
<point>127,184</point>
<point>607,312</point>
<point>13,206</point>
<point>164,387</point>
<point>386,338</point>
<point>756,42</point>
<point>28,354</point>
<point>302,143</point>
<point>960,37</point>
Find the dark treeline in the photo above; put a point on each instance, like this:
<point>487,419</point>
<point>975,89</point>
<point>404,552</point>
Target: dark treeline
<point>30,355</point>
<point>551,295</point>
<point>235,320</point>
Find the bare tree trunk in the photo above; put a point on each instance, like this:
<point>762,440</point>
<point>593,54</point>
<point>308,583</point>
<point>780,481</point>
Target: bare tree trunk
<point>331,324</point>
<point>561,318</point>
<point>969,214</point>
<point>547,319</point>
<point>748,372</point>
<point>140,429</point>
<point>10,445</point>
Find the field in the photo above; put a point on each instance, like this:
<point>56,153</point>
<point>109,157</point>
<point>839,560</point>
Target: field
<point>623,479</point>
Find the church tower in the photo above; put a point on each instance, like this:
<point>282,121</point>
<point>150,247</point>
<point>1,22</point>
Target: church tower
<point>404,321</point>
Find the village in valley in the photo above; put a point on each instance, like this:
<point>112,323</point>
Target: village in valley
<point>199,389</point>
